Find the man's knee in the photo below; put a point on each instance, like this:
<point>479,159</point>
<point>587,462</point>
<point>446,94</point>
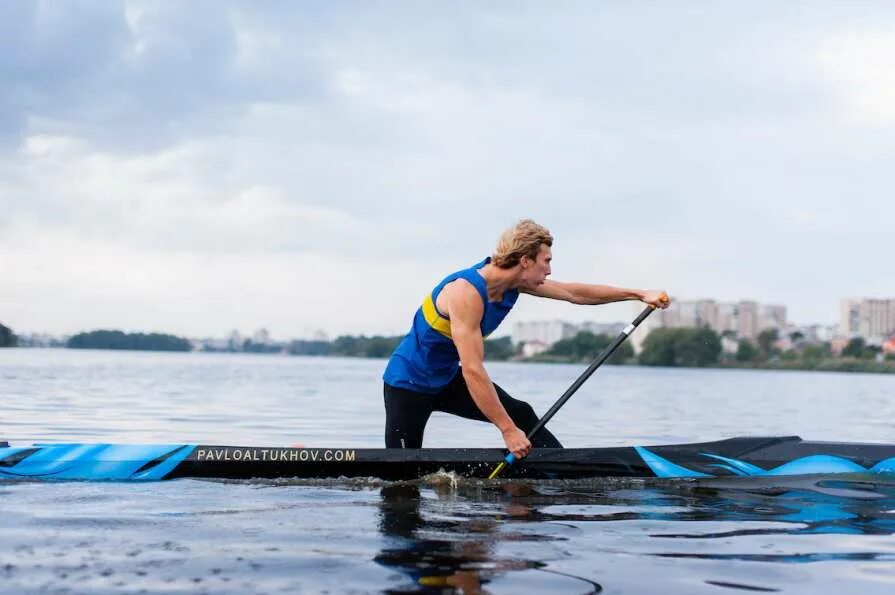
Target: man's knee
<point>523,413</point>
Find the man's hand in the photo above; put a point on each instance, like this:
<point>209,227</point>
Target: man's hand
<point>656,298</point>
<point>516,442</point>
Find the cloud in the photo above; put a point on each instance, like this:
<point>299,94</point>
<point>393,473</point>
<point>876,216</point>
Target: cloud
<point>165,200</point>
<point>136,75</point>
<point>169,149</point>
<point>861,65</point>
<point>106,284</point>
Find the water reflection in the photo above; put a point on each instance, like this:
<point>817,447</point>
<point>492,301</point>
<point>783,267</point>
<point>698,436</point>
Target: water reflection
<point>456,552</point>
<point>809,506</point>
<point>475,536</point>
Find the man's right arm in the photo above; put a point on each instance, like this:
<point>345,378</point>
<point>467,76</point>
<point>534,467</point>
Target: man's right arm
<point>465,312</point>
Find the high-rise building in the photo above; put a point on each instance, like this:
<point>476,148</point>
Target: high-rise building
<point>772,316</point>
<point>744,318</point>
<point>547,332</point>
<point>261,336</point>
<point>850,317</point>
<point>697,313</point>
<point>748,320</point>
<point>872,319</point>
<point>727,318</point>
<point>235,340</point>
<point>601,328</point>
<point>541,335</point>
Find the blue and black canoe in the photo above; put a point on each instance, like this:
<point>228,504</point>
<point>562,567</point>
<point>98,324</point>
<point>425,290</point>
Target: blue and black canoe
<point>744,456</point>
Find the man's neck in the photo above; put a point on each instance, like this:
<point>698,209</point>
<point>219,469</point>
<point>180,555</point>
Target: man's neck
<point>499,281</point>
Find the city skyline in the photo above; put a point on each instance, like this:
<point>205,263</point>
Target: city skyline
<point>192,168</point>
<point>719,316</point>
<point>310,330</point>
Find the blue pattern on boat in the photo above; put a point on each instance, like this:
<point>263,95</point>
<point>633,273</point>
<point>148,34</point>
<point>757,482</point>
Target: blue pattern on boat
<point>111,462</point>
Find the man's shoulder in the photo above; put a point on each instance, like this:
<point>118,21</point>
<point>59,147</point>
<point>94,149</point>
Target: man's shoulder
<point>461,295</point>
<point>460,289</point>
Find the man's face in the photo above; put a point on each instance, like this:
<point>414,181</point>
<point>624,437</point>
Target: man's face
<point>534,272</point>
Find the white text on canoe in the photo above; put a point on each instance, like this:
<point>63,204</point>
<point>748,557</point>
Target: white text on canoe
<point>277,455</point>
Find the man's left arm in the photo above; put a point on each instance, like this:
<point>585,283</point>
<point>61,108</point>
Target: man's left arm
<point>590,294</point>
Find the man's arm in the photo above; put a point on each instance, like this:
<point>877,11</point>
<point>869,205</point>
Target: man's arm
<point>589,294</point>
<point>465,309</point>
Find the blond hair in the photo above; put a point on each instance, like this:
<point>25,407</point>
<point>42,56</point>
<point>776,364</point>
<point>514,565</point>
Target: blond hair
<point>523,239</point>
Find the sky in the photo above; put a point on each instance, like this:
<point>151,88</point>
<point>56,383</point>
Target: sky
<point>197,167</point>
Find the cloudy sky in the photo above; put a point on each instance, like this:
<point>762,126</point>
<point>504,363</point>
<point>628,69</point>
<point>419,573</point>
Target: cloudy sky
<point>195,167</point>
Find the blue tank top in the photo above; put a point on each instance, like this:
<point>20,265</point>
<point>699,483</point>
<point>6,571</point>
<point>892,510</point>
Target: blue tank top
<point>426,360</point>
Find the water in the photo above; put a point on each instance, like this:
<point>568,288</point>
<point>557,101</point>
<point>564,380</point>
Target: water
<point>795,535</point>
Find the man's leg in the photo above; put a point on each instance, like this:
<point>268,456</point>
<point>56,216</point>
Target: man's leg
<point>406,414</point>
<point>456,399</point>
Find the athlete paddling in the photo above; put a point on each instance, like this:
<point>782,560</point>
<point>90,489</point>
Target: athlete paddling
<point>439,365</point>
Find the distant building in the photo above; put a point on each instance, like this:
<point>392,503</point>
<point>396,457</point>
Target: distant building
<point>810,334</point>
<point>889,345</point>
<point>744,319</point>
<point>211,344</point>
<point>735,320</point>
<point>261,337</point>
<point>747,320</point>
<point>547,332</point>
<point>697,313</point>
<point>234,341</point>
<point>772,316</point>
<point>729,345</point>
<point>539,336</point>
<point>871,319</point>
<point>41,340</point>
<point>530,348</point>
<point>601,328</point>
<point>726,319</point>
<point>837,344</point>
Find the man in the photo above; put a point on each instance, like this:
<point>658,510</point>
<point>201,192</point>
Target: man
<point>439,365</point>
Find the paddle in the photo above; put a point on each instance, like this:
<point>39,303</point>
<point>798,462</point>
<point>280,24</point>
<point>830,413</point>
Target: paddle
<point>604,355</point>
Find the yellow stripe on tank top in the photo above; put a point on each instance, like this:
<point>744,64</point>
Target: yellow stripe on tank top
<point>436,320</point>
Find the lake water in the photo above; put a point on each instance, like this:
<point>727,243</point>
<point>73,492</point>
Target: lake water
<point>799,535</point>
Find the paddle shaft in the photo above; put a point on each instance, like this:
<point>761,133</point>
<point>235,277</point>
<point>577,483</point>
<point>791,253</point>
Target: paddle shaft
<point>604,355</point>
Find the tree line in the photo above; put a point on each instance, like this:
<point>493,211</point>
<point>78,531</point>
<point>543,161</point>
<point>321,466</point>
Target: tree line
<point>663,347</point>
<point>379,346</point>
<point>856,356</point>
<point>7,337</point>
<point>105,339</point>
<point>701,347</point>
<point>585,346</point>
<point>689,347</point>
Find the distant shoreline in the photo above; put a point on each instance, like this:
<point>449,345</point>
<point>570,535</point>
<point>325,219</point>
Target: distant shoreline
<point>826,365</point>
<point>684,347</point>
<point>822,365</point>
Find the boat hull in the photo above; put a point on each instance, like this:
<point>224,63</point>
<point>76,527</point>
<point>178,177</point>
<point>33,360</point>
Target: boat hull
<point>745,456</point>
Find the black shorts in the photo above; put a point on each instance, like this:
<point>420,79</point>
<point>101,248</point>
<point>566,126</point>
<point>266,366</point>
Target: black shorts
<point>407,411</point>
